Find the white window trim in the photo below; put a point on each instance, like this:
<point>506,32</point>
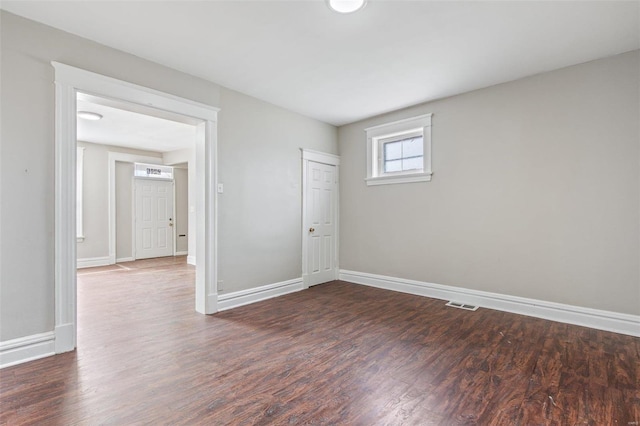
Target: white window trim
<point>397,128</point>
<point>79,191</point>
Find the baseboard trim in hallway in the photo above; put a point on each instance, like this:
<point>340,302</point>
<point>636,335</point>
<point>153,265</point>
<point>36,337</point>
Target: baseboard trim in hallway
<point>92,262</point>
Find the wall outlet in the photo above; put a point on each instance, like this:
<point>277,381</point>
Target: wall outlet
<point>220,283</point>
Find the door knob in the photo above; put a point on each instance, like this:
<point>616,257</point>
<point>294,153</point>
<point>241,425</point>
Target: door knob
<point>311,229</point>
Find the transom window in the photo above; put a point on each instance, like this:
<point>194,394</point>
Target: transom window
<point>399,152</point>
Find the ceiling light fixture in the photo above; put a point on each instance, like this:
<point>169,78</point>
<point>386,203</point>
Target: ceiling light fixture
<point>87,115</point>
<point>346,6</point>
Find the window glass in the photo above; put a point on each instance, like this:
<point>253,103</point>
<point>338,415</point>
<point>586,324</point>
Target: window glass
<point>153,171</point>
<point>412,147</point>
<point>413,163</point>
<point>393,150</point>
<point>393,166</point>
<point>403,155</point>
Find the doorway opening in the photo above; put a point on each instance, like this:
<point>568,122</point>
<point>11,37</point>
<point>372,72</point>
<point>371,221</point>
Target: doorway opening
<point>135,183</point>
<point>132,204</point>
<point>70,82</point>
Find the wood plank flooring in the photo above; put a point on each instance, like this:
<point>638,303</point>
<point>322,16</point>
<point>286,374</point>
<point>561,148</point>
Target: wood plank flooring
<point>337,353</point>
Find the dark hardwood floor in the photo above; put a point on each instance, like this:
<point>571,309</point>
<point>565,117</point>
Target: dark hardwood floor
<point>337,353</point>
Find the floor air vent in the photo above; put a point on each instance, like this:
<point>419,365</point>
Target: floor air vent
<point>461,306</point>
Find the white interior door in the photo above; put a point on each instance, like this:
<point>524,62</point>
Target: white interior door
<point>321,199</point>
<point>153,218</point>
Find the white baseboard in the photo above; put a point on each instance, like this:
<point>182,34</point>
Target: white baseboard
<point>252,295</point>
<point>587,317</point>
<point>182,253</point>
<point>90,262</point>
<point>124,259</point>
<point>191,260</point>
<point>24,349</point>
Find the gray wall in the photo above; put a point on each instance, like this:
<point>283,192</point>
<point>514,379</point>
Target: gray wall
<point>260,165</point>
<point>27,164</point>
<point>95,202</point>
<point>535,192</point>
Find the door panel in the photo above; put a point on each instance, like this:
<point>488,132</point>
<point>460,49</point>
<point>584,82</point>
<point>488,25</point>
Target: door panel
<point>321,193</point>
<point>154,218</point>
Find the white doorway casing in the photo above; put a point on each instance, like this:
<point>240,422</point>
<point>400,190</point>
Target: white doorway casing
<point>69,81</point>
<point>320,261</point>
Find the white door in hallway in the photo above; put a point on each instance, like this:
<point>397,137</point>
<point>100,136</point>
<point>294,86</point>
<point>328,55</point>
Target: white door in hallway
<point>153,218</point>
<point>321,199</point>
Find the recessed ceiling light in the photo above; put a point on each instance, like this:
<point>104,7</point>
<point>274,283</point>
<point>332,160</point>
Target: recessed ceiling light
<point>346,6</point>
<point>87,115</point>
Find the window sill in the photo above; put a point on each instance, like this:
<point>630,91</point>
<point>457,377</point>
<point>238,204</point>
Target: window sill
<point>80,239</point>
<point>388,180</point>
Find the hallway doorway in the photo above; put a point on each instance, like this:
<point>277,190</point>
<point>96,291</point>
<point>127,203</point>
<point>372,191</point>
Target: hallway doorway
<point>72,81</point>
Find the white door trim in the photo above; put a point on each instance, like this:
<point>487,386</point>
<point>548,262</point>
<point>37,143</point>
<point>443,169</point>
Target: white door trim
<point>332,160</point>
<point>68,82</point>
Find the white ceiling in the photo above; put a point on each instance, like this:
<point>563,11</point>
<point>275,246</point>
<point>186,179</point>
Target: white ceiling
<point>122,126</point>
<point>342,68</point>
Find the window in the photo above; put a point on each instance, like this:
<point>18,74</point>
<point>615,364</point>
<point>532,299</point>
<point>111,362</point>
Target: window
<point>79,189</point>
<point>399,152</point>
<point>152,171</point>
<point>404,154</point>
